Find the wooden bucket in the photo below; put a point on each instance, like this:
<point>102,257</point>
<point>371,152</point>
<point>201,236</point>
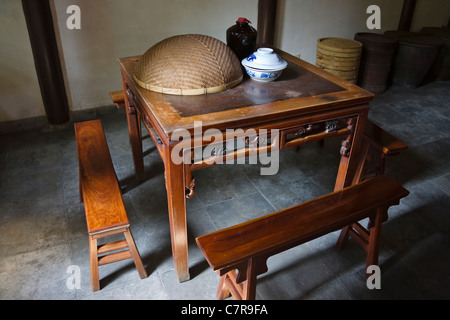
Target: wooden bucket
<point>376,60</point>
<point>415,58</point>
<point>441,69</point>
<point>340,57</point>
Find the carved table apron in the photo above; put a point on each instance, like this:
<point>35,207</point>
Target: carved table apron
<point>305,104</point>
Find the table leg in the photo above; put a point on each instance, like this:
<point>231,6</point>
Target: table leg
<point>134,131</point>
<point>176,198</point>
<point>136,142</point>
<point>349,160</point>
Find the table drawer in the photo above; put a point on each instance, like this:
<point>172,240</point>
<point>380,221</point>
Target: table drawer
<point>302,134</point>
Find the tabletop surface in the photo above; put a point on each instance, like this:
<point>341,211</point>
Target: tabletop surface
<point>295,82</point>
<point>301,89</point>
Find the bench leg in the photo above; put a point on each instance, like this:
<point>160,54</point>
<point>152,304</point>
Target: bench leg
<point>222,290</point>
<point>240,291</point>
<point>374,238</point>
<point>343,237</point>
<point>95,281</point>
<point>135,254</point>
<point>250,283</point>
<point>368,240</point>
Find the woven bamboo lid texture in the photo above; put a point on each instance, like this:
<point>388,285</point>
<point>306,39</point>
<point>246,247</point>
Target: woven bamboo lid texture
<point>189,64</point>
<point>339,47</point>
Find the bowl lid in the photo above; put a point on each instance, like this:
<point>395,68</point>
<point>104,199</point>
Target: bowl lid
<point>266,59</point>
<point>190,64</point>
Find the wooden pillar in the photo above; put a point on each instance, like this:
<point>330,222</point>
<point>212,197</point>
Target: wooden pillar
<point>267,12</point>
<point>407,15</point>
<point>46,59</point>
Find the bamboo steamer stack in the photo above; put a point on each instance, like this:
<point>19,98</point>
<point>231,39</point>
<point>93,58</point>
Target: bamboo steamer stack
<point>340,57</point>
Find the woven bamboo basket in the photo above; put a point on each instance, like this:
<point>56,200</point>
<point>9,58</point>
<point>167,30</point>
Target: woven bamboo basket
<point>189,64</point>
<point>340,57</point>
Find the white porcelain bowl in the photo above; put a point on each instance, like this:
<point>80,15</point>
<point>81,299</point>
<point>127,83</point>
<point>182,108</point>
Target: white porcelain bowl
<point>263,75</point>
<point>264,58</point>
<point>264,65</point>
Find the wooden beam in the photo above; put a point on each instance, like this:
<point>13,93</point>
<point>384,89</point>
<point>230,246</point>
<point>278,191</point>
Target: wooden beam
<point>46,59</point>
<point>407,15</point>
<point>267,12</point>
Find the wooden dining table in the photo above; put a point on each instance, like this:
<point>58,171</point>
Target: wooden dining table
<point>305,104</point>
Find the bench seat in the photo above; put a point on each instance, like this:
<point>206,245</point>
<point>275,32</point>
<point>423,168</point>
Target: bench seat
<point>117,98</point>
<point>247,246</point>
<point>105,211</point>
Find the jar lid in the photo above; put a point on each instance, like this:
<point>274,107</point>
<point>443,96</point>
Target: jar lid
<point>243,20</point>
<point>266,59</point>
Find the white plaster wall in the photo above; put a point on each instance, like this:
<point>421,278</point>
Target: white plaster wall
<point>119,28</point>
<point>115,28</point>
<point>300,23</point>
<point>20,96</point>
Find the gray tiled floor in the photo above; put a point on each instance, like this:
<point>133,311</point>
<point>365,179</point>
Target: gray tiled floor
<point>43,231</point>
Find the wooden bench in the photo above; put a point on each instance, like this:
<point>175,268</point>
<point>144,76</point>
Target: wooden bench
<point>377,146</point>
<point>118,98</point>
<point>103,203</point>
<point>247,246</point>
